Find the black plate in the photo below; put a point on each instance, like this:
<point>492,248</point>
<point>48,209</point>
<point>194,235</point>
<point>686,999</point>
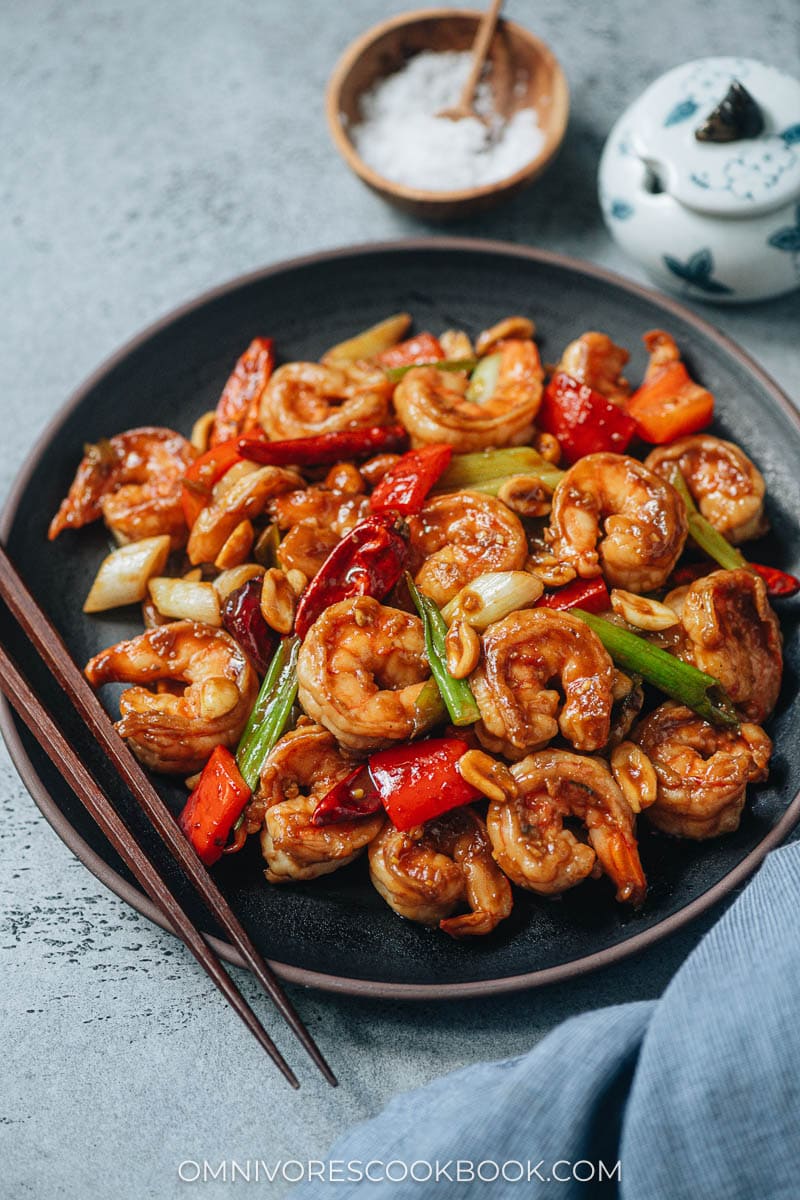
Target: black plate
<point>337,933</point>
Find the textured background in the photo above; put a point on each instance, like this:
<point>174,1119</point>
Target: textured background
<point>149,152</point>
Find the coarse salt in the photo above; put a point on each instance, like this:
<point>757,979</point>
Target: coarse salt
<point>400,136</point>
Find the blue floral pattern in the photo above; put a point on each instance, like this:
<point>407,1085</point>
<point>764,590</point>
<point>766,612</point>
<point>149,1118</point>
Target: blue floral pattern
<point>681,112</point>
<point>698,271</point>
<point>788,238</point>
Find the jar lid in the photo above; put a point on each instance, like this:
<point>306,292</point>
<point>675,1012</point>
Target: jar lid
<point>737,178</point>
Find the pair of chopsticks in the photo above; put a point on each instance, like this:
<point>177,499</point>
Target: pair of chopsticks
<point>51,649</point>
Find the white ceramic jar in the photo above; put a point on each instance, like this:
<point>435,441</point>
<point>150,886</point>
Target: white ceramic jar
<point>716,221</point>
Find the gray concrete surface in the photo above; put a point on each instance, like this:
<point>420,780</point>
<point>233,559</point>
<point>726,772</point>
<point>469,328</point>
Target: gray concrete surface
<point>151,150</point>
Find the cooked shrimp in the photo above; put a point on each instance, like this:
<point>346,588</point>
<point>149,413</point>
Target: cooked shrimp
<point>433,406</point>
<point>534,849</point>
<point>733,634</point>
<point>726,486</point>
<point>175,732</point>
<point>426,873</point>
<point>611,515</point>
<point>595,360</point>
<point>460,536</point>
<point>315,519</point>
<point>542,671</point>
<point>703,772</point>
<point>242,493</point>
<point>360,670</point>
<point>301,769</point>
<point>303,399</point>
<point>133,480</point>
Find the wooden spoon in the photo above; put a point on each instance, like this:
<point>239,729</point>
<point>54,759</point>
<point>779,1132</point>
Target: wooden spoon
<point>480,50</point>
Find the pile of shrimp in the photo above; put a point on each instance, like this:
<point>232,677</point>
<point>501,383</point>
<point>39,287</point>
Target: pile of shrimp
<point>569,761</point>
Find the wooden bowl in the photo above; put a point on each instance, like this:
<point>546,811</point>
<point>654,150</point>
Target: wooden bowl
<point>524,74</point>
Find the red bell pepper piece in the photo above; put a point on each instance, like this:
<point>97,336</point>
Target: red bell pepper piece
<point>669,404</point>
<point>368,561</point>
<point>422,348</point>
<point>326,447</point>
<point>419,782</point>
<point>414,783</point>
<point>214,806</point>
<point>201,476</point>
<point>405,485</point>
<point>237,408</point>
<point>589,594</point>
<point>582,419</point>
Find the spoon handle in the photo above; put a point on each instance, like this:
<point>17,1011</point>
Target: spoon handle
<point>480,49</point>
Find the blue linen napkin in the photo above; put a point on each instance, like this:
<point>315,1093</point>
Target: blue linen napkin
<point>695,1095</point>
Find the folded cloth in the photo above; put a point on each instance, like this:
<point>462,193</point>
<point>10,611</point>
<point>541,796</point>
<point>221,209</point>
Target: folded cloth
<point>695,1095</point>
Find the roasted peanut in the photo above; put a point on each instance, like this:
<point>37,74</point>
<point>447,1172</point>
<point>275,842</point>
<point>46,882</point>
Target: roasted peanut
<point>278,601</point>
<point>526,495</point>
<point>488,775</point>
<point>641,612</point>
<point>462,649</point>
<point>635,775</point>
<point>237,547</point>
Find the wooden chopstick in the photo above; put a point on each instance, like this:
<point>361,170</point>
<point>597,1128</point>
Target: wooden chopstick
<point>50,738</point>
<point>54,653</point>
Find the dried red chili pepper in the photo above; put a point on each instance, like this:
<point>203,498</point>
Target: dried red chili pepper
<point>325,447</point>
<point>588,594</point>
<point>352,797</point>
<point>405,485</point>
<point>368,561</point>
<point>244,621</point>
<point>779,583</point>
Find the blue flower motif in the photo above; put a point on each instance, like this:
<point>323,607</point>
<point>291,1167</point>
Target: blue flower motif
<point>681,112</point>
<point>787,238</point>
<point>791,136</point>
<point>621,210</point>
<point>698,271</point>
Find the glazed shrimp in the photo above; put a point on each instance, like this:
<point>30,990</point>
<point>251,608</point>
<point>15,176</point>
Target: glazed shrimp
<point>542,671</point>
<point>133,480</point>
<point>242,493</point>
<point>611,515</point>
<point>702,772</point>
<point>433,405</point>
<point>303,399</point>
<point>733,634</point>
<point>360,670</point>
<point>595,360</point>
<point>460,536</point>
<point>316,518</point>
<point>175,733</point>
<point>726,486</point>
<point>534,849</point>
<point>428,872</point>
<point>297,773</point>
